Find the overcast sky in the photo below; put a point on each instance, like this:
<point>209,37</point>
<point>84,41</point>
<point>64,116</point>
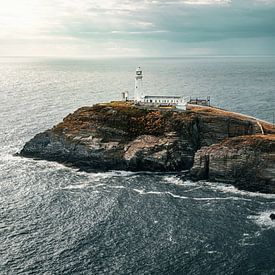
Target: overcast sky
<point>137,27</point>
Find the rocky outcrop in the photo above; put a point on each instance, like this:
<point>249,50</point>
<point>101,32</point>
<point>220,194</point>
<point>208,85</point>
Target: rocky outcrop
<point>119,135</point>
<point>248,162</point>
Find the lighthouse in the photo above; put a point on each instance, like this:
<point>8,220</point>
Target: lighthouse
<point>155,100</point>
<point>138,85</point>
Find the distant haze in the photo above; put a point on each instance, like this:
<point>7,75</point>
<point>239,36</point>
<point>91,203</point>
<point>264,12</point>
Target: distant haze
<point>124,28</point>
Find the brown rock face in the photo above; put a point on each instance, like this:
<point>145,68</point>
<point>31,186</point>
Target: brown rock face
<point>247,162</point>
<point>164,153</point>
<point>119,135</point>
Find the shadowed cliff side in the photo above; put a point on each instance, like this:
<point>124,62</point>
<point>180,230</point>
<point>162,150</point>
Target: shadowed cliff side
<point>248,162</point>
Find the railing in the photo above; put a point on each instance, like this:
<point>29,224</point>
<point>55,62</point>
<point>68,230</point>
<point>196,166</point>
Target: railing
<point>199,101</point>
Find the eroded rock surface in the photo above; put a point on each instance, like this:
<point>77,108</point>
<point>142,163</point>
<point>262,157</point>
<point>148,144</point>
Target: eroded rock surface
<point>247,162</point>
<point>121,136</point>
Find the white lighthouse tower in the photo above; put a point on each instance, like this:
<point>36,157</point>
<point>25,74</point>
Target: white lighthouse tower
<point>138,85</point>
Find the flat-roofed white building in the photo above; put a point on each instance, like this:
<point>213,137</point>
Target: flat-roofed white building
<point>164,100</point>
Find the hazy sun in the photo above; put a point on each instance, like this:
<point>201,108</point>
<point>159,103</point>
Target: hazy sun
<point>20,17</point>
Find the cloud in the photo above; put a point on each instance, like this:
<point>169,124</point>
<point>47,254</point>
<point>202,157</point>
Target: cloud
<point>266,2</point>
<point>95,26</point>
<point>207,2</point>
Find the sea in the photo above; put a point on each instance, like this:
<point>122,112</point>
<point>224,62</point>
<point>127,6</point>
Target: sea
<point>57,220</point>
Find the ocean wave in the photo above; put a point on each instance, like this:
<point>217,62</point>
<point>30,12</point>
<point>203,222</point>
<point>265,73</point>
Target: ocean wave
<point>9,159</point>
<point>118,173</point>
<point>143,192</point>
<point>216,186</point>
<point>117,186</point>
<point>92,186</point>
<point>57,166</point>
<point>37,162</point>
<point>228,188</point>
<point>78,186</point>
<point>173,180</point>
<point>263,220</point>
<point>248,239</point>
<point>218,198</point>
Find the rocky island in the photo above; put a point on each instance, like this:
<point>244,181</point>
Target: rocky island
<point>210,143</point>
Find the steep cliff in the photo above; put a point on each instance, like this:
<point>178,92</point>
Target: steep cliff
<point>119,135</point>
<point>247,162</point>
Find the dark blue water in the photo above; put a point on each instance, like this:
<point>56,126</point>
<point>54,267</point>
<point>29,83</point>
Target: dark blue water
<point>55,220</point>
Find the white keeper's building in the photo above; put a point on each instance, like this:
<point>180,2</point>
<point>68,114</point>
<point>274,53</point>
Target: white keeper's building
<point>141,99</point>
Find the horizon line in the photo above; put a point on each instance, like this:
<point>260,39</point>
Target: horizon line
<point>127,57</point>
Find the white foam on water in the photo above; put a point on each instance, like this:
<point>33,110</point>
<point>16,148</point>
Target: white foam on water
<point>39,163</point>
<point>170,235</point>
<point>140,191</point>
<point>178,181</point>
<point>247,239</point>
<point>191,183</point>
<point>117,186</point>
<point>87,185</point>
<point>143,192</point>
<point>228,188</point>
<point>212,251</point>
<point>190,190</point>
<point>59,166</point>
<point>218,199</point>
<point>166,193</point>
<point>263,219</point>
<point>97,185</point>
<point>106,175</point>
<point>52,165</point>
<point>176,196</point>
<point>221,187</point>
<point>122,173</point>
<point>173,180</point>
<point>16,159</point>
<point>76,186</point>
<point>7,157</point>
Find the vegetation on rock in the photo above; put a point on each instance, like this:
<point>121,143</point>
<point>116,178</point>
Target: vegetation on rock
<point>119,135</point>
